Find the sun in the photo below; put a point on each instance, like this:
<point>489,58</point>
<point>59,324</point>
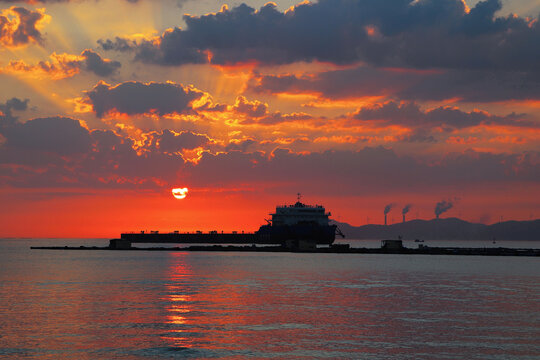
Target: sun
<point>180,193</point>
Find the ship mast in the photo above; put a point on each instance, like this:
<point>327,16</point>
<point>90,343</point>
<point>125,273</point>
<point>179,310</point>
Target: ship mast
<point>299,197</point>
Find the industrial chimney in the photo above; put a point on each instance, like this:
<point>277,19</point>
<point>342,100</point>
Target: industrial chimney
<point>387,209</point>
<point>406,210</point>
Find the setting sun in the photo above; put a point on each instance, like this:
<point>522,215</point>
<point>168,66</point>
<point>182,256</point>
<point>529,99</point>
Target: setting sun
<point>180,193</point>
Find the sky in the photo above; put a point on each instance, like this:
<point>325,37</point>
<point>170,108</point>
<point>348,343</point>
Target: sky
<point>107,105</point>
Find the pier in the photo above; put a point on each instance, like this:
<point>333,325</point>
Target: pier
<point>212,237</point>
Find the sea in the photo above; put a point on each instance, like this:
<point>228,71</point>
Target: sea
<point>230,305</point>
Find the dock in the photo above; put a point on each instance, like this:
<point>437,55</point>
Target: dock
<point>212,237</point>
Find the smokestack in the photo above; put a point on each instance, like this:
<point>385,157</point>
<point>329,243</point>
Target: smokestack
<point>442,207</point>
<point>387,209</point>
<point>406,210</point>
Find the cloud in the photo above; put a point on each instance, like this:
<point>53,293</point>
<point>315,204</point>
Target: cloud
<point>423,85</point>
<point>398,33</point>
<point>59,152</point>
<point>56,151</point>
<point>374,168</point>
<point>118,44</point>
<point>418,135</point>
<point>354,82</point>
<point>169,141</point>
<point>474,86</point>
<point>242,145</point>
<point>251,108</point>
<point>139,98</point>
<point>277,117</point>
<point>7,119</point>
<point>61,66</point>
<point>99,66</point>
<point>13,104</point>
<point>19,26</point>
<point>410,114</point>
<point>59,135</point>
<point>256,112</point>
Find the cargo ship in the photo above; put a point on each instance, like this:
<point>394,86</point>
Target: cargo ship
<point>299,222</point>
<point>292,226</point>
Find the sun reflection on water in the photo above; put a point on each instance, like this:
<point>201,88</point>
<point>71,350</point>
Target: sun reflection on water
<point>179,301</point>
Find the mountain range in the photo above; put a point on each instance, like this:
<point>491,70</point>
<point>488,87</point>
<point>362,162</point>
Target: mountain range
<point>445,229</point>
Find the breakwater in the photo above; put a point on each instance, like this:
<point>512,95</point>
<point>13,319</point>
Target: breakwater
<point>336,249</point>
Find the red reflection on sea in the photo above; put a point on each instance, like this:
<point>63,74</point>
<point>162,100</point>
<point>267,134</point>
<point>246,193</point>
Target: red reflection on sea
<point>179,300</point>
<point>235,308</point>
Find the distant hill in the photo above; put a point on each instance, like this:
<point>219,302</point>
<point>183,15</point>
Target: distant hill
<point>445,229</point>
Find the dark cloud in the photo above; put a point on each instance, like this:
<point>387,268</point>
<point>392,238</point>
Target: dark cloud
<point>99,66</point>
<point>53,152</point>
<point>398,33</point>
<point>466,85</point>
<point>474,86</point>
<point>114,162</point>
<point>377,169</point>
<point>118,44</point>
<point>418,135</point>
<point>19,26</point>
<point>410,114</point>
<point>62,136</point>
<point>347,83</point>
<point>256,112</point>
<point>250,108</point>
<point>138,98</point>
<point>170,141</point>
<point>13,104</point>
<point>7,119</point>
<point>242,145</point>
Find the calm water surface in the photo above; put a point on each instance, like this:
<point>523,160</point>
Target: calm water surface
<point>145,305</point>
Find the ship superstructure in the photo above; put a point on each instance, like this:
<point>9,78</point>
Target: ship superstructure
<point>300,213</point>
<point>300,222</point>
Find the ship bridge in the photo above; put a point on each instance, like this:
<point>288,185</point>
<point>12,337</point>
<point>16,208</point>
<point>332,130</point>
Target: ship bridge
<point>300,213</point>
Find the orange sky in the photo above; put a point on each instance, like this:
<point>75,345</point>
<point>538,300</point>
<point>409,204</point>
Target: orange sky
<point>102,115</point>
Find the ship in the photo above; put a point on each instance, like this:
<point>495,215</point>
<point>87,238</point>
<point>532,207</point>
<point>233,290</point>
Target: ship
<point>297,226</point>
<point>299,222</point>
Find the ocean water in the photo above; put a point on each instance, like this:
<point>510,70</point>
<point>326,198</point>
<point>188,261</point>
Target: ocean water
<point>168,305</point>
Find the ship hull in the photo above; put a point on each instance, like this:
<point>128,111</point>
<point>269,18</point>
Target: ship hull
<point>320,234</point>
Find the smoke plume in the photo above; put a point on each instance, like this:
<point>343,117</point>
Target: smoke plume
<point>406,209</point>
<point>387,208</point>
<point>442,206</point>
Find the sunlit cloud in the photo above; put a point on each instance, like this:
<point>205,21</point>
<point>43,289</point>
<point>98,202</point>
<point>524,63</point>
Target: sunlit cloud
<point>20,26</point>
<point>61,66</point>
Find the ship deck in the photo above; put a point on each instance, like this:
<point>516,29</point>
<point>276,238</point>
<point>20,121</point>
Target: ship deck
<point>195,238</point>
